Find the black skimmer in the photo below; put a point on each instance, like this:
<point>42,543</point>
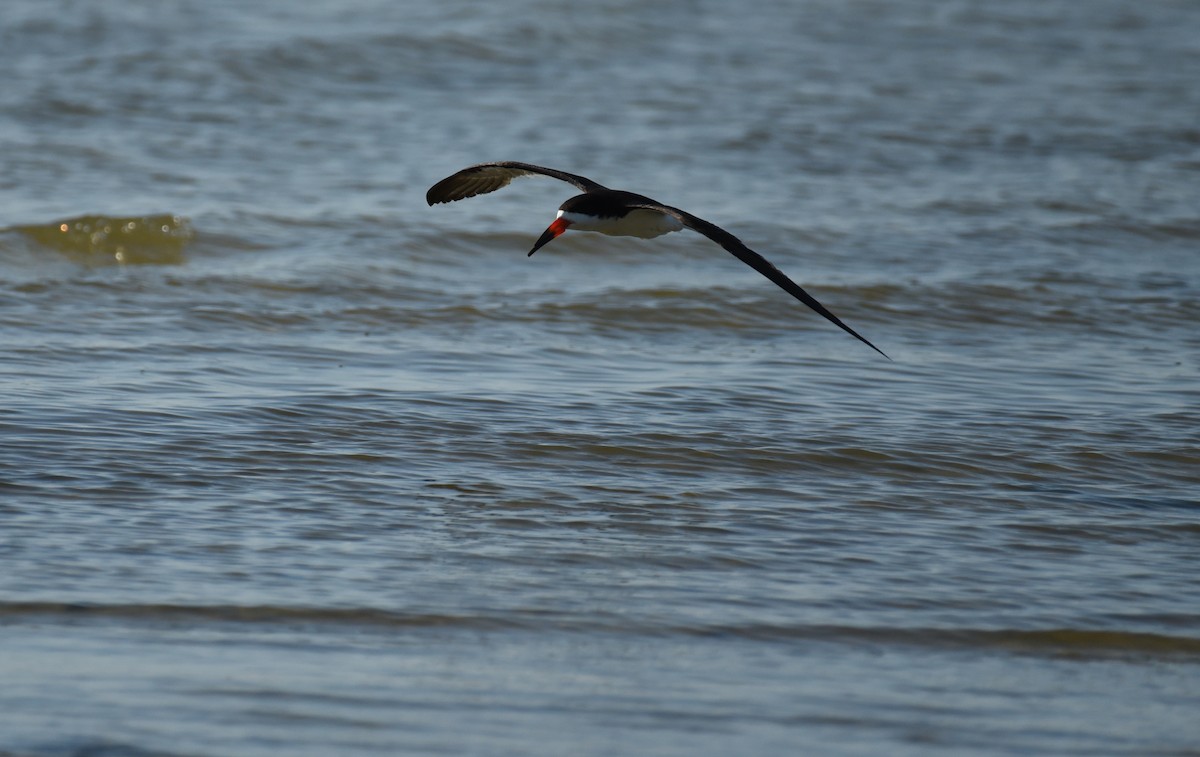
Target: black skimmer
<point>618,213</point>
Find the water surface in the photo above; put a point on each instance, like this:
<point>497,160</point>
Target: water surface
<point>291,463</point>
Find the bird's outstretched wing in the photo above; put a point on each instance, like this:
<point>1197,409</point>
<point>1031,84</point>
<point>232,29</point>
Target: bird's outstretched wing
<point>488,177</point>
<point>757,262</point>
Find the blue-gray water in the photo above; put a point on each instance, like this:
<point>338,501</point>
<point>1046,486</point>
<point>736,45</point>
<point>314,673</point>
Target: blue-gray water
<point>291,463</point>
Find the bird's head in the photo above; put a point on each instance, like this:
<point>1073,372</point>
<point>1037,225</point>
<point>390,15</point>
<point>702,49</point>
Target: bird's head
<point>558,226</point>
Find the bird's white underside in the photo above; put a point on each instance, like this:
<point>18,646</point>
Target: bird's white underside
<point>645,224</point>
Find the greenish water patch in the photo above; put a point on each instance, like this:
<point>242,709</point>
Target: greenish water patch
<point>121,240</point>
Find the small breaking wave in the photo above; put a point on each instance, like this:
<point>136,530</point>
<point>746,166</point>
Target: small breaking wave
<point>111,240</point>
<point>1054,641</point>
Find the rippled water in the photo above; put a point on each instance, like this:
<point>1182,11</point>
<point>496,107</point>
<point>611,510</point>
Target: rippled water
<point>291,463</point>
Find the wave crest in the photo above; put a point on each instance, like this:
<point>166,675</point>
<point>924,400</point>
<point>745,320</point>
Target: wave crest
<point>98,240</point>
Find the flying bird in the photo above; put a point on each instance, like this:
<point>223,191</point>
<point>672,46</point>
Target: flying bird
<point>617,213</point>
